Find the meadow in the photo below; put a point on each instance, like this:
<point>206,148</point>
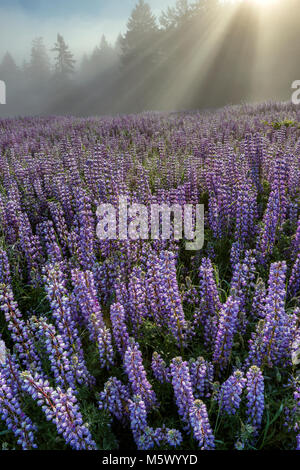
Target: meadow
<point>121,344</point>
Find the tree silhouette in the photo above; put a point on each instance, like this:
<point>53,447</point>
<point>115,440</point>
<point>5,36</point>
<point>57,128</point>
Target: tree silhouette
<point>64,62</point>
<point>8,68</point>
<point>138,44</point>
<point>39,66</point>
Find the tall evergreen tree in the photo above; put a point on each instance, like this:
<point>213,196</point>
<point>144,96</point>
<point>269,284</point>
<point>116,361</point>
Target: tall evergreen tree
<point>8,68</point>
<point>64,62</point>
<point>138,44</point>
<point>39,66</point>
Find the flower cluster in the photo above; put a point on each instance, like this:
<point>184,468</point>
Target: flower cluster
<point>85,317</point>
<point>202,375</point>
<point>160,369</point>
<point>255,397</point>
<point>229,396</point>
<point>60,407</point>
<point>133,364</point>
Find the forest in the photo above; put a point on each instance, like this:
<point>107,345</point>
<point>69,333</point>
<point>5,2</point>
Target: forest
<point>200,54</point>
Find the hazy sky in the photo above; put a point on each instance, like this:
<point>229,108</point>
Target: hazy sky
<point>82,22</point>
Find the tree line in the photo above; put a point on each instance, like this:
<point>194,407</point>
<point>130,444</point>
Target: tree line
<point>197,54</point>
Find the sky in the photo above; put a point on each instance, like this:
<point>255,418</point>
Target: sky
<point>81,22</point>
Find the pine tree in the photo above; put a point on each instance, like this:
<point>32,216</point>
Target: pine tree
<point>138,44</point>
<point>64,64</point>
<point>8,68</point>
<point>39,66</point>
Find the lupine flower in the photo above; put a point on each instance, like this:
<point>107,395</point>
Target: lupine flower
<point>202,375</point>
<point>268,232</point>
<point>121,336</point>
<point>160,370</point>
<point>227,327</point>
<point>229,396</point>
<point>259,300</point>
<point>16,420</point>
<point>57,352</point>
<point>275,333</point>
<point>115,399</point>
<point>20,333</point>
<point>10,405</point>
<point>138,421</point>
<point>86,296</point>
<point>255,397</point>
<point>200,425</point>
<point>164,291</point>
<point>294,281</point>
<point>62,409</point>
<point>182,386</point>
<point>5,277</point>
<point>133,364</point>
<point>137,301</point>
<point>207,313</point>
<point>62,314</point>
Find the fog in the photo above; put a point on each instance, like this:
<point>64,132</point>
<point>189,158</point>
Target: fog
<point>107,57</point>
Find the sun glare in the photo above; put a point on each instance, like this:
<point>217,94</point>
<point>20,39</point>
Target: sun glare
<point>264,2</point>
<point>260,2</point>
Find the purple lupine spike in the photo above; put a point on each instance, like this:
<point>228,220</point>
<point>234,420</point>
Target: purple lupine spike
<point>5,276</point>
<point>133,364</point>
<point>279,183</point>
<point>292,412</point>
<point>255,397</point>
<point>210,304</point>
<point>138,421</point>
<point>227,328</point>
<point>86,296</point>
<point>173,437</point>
<point>48,238</point>
<point>30,245</point>
<point>267,236</point>
<point>60,224</point>
<point>60,407</point>
<point>122,294</point>
<point>170,298</point>
<point>57,353</point>
<point>259,300</point>
<point>115,399</point>
<point>137,302</point>
<point>202,375</point>
<point>296,241</point>
<point>14,417</point>
<point>101,335</point>
<point>19,330</point>
<point>229,396</point>
<point>160,370</point>
<point>10,405</point>
<point>242,283</point>
<point>294,281</point>
<point>62,313</point>
<point>121,336</point>
<point>270,343</point>
<point>85,229</point>
<point>242,278</point>
<point>182,386</point>
<point>200,425</point>
<point>246,213</point>
<point>153,289</point>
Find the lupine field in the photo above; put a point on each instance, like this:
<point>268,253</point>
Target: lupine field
<point>111,344</point>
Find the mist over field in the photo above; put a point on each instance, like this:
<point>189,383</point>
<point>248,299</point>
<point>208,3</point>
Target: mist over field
<point>101,57</point>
